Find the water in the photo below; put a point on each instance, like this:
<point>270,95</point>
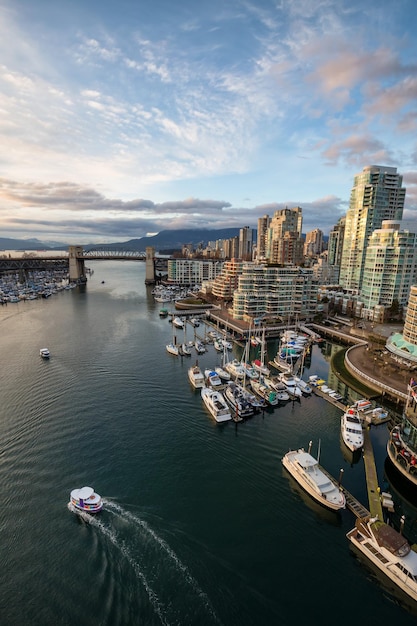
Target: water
<point>201,523</point>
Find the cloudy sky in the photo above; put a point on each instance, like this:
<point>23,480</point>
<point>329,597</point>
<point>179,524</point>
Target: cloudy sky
<point>121,119</point>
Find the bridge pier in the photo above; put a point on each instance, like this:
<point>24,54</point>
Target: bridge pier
<point>76,265</point>
<point>150,278</point>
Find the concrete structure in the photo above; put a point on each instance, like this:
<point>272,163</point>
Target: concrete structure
<point>246,243</point>
<point>76,264</point>
<point>377,195</point>
<point>284,242</point>
<point>225,284</point>
<point>404,344</point>
<point>313,245</point>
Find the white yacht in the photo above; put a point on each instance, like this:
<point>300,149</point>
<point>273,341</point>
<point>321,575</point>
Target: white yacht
<point>306,470</point>
<point>216,404</point>
<point>389,551</point>
<point>351,429</point>
<point>212,378</point>
<point>303,385</point>
<point>291,386</point>
<point>196,376</point>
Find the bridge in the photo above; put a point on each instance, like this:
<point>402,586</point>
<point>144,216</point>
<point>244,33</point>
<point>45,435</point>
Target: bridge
<point>74,262</point>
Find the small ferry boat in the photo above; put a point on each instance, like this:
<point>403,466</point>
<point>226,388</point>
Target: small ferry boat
<point>311,477</point>
<point>351,429</point>
<point>85,499</point>
<point>389,551</point>
<point>44,353</point>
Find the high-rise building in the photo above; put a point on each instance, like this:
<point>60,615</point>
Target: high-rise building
<point>390,267</point>
<point>262,239</point>
<point>335,246</point>
<point>377,194</point>
<point>274,292</point>
<point>313,245</point>
<point>246,241</point>
<point>284,241</point>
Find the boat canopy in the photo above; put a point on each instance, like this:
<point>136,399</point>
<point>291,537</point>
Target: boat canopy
<point>84,493</point>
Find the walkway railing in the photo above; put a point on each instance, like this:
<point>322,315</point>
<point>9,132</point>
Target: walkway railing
<point>371,379</point>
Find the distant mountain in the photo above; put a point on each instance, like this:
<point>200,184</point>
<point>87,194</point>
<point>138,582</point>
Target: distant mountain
<point>26,244</point>
<point>170,239</point>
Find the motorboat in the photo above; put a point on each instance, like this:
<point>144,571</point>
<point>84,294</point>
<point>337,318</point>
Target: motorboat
<point>212,378</point>
<point>227,344</point>
<point>291,386</point>
<point>86,500</point>
<point>216,404</point>
<point>44,353</point>
<point>250,371</point>
<point>218,346</point>
<point>351,429</point>
<point>303,385</point>
<point>196,376</point>
<point>363,405</point>
<point>388,550</point>
<point>194,321</point>
<point>305,469</point>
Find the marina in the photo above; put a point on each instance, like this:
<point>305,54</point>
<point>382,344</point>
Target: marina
<point>197,516</point>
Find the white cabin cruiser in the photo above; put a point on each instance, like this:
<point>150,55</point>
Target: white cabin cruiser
<point>44,353</point>
<point>351,429</point>
<point>311,477</point>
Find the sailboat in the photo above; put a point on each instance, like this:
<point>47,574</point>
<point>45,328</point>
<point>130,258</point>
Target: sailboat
<point>220,369</point>
<point>259,363</point>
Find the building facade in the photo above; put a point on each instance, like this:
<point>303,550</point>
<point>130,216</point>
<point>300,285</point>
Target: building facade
<point>377,195</point>
<point>389,268</point>
<point>193,271</point>
<point>273,292</point>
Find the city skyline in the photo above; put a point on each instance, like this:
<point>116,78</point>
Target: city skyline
<point>122,120</point>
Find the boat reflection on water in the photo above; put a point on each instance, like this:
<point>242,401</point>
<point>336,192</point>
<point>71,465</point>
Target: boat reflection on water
<point>351,457</point>
<point>321,512</point>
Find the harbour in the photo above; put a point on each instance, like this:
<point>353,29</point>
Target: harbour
<point>200,524</point>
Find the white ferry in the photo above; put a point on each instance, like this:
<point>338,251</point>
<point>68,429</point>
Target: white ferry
<point>85,499</point>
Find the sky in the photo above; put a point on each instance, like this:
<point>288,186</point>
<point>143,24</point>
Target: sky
<point>122,119</point>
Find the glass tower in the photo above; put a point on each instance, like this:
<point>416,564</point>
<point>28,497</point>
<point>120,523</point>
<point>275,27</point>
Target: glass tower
<point>377,194</point>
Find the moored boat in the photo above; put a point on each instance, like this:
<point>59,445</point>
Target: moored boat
<point>212,378</point>
<point>389,551</point>
<point>216,404</point>
<point>351,429</point>
<point>196,376</point>
<point>86,500</point>
<point>310,475</point>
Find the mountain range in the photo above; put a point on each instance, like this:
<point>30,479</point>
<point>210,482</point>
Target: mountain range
<point>165,240</point>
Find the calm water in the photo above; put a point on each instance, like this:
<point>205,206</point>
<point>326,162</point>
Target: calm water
<point>201,525</point>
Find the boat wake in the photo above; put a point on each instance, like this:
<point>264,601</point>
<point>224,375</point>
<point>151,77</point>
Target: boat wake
<point>173,592</point>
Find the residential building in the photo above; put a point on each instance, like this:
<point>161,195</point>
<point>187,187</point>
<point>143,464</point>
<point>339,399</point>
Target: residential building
<point>274,292</point>
<point>377,195</point>
<point>284,241</point>
<point>262,237</point>
<point>389,269</point>
<point>246,243</point>
<point>404,344</point>
<point>224,285</point>
<point>192,271</point>
<point>335,246</point>
<point>313,245</point>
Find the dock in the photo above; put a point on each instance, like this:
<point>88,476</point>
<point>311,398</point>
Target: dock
<point>374,496</point>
